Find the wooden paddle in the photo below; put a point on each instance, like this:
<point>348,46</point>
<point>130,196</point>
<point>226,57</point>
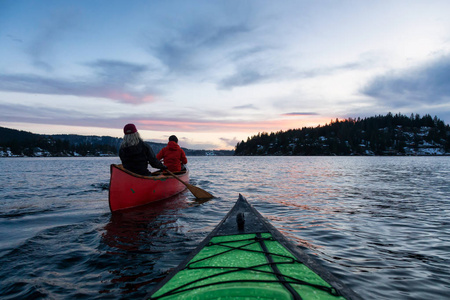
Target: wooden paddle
<point>196,191</point>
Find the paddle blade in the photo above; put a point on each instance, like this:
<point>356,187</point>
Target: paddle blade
<point>198,192</point>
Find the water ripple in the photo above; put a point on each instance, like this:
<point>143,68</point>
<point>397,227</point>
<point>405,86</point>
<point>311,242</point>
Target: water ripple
<point>380,224</point>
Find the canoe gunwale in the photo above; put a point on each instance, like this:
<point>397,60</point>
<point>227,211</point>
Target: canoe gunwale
<point>155,175</point>
<point>260,225</point>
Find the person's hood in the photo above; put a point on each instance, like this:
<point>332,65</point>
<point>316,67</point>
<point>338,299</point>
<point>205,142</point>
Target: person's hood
<point>173,146</point>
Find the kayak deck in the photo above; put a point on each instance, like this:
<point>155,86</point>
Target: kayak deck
<point>246,258</point>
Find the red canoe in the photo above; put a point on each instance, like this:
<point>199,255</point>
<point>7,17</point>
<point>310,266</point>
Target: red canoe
<point>128,189</point>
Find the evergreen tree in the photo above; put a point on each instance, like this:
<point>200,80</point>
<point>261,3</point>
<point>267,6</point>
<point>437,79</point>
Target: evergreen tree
<point>379,135</point>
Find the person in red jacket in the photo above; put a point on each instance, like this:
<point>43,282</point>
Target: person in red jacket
<point>172,155</point>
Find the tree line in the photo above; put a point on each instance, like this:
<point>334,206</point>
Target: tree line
<point>25,143</point>
<point>379,135</point>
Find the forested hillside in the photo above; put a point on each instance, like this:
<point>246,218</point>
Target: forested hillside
<point>380,135</point>
<point>22,143</point>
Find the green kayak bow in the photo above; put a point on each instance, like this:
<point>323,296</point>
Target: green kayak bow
<point>245,257</point>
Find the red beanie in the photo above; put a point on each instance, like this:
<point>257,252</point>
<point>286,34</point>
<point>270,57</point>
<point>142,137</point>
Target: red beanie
<point>129,129</point>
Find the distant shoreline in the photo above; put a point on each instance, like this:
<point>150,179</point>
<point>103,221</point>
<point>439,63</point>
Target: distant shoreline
<point>109,156</point>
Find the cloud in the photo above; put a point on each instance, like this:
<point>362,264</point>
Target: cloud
<point>244,78</point>
<point>190,124</point>
<point>189,143</point>
<point>65,116</point>
<point>300,114</point>
<point>230,52</point>
<point>54,30</point>
<point>230,142</point>
<point>261,69</point>
<point>426,84</point>
<point>350,66</point>
<point>115,80</point>
<point>117,72</point>
<point>14,38</point>
<point>197,46</point>
<point>26,83</point>
<point>247,106</point>
<point>55,116</point>
<point>254,65</point>
<point>61,116</point>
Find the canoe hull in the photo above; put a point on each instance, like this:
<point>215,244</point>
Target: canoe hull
<point>245,257</point>
<point>127,189</point>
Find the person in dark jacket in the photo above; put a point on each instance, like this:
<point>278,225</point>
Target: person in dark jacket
<point>135,154</point>
<point>172,155</point>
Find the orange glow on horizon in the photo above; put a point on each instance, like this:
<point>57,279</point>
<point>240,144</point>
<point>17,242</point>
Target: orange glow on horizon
<point>259,126</point>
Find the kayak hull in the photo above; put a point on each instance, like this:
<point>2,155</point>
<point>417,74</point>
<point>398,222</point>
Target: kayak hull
<point>245,257</point>
<point>127,189</point>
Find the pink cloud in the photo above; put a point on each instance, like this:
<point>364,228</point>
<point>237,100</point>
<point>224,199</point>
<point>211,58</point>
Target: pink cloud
<point>127,97</point>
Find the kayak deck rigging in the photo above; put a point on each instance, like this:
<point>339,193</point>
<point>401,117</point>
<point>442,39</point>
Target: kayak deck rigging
<point>245,257</point>
<point>245,243</point>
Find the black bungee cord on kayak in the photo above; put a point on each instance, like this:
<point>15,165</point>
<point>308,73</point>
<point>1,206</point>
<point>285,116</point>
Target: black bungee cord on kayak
<point>286,280</point>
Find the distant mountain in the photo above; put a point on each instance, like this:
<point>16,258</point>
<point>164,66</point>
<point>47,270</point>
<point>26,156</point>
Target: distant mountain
<point>11,135</point>
<point>379,135</point>
<point>22,143</point>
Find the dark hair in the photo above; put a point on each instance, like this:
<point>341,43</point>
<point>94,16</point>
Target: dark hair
<point>173,138</point>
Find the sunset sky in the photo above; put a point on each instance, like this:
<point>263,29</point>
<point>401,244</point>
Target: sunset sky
<point>216,72</point>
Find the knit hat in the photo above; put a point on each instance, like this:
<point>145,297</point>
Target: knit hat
<point>129,129</point>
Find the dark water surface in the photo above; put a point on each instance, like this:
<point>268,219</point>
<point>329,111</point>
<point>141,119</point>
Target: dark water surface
<point>380,224</point>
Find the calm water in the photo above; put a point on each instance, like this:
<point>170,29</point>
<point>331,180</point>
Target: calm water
<point>380,224</point>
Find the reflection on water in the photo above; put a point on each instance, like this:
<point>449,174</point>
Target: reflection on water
<point>370,220</point>
<point>151,231</point>
<point>380,224</point>
<point>148,231</point>
<point>136,229</point>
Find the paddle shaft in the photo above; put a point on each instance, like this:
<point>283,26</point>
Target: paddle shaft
<point>196,191</point>
<point>176,177</point>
